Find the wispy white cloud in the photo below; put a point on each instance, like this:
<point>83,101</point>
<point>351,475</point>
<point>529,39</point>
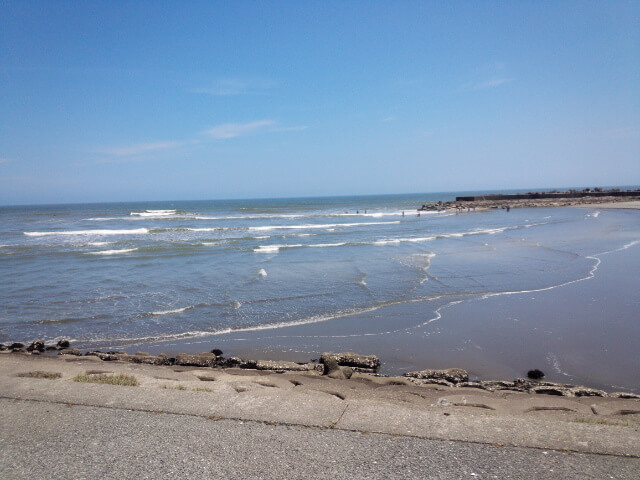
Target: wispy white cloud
<point>233,130</point>
<point>4,160</point>
<point>493,83</point>
<point>140,148</point>
<point>228,87</point>
<point>391,118</point>
<point>296,128</point>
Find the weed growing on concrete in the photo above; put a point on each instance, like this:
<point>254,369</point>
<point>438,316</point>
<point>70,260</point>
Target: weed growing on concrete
<point>119,379</point>
<point>202,389</point>
<point>171,387</point>
<point>40,374</point>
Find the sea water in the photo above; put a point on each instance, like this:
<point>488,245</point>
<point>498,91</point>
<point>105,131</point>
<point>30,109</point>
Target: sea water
<point>157,273</point>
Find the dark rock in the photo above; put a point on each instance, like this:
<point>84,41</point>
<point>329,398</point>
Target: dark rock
<point>16,346</point>
<point>535,374</point>
<point>18,350</point>
<point>36,346</point>
<point>199,360</point>
<point>359,363</point>
<point>49,348</point>
<point>217,352</point>
<point>70,351</point>
<point>451,375</point>
<point>3,347</point>
<point>64,343</point>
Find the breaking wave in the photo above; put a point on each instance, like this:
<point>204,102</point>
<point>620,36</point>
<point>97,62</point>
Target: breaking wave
<point>113,252</point>
<point>135,231</point>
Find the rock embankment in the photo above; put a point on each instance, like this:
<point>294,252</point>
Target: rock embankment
<point>334,365</point>
<point>457,377</point>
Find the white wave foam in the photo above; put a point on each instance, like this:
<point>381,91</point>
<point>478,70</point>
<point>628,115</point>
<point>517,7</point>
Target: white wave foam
<point>99,244</point>
<point>323,245</point>
<point>327,225</point>
<point>555,364</point>
<point>273,248</point>
<point>136,231</point>
<point>262,272</point>
<point>169,312</point>
<point>113,252</point>
<point>391,241</point>
<point>425,268</point>
<point>154,213</point>
<point>276,248</point>
<point>210,229</point>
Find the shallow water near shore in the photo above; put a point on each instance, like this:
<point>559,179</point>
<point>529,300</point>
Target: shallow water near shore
<point>494,292</point>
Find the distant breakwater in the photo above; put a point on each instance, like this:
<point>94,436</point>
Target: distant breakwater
<point>556,195</point>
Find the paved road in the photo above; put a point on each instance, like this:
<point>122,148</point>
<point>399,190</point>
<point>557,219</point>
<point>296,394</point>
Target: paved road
<point>46,440</point>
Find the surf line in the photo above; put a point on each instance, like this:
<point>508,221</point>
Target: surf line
<point>590,275</point>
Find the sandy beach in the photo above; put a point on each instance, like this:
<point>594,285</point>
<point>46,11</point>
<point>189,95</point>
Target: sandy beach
<point>635,204</point>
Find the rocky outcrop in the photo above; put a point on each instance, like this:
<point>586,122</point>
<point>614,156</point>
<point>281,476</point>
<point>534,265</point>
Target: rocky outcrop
<point>281,366</point>
<point>107,356</point>
<point>449,377</point>
<point>148,359</point>
<point>63,343</point>
<point>359,363</point>
<point>70,351</point>
<point>199,360</point>
<point>624,395</point>
<point>17,347</point>
<point>36,346</point>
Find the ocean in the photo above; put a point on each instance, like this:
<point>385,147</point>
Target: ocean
<point>494,292</point>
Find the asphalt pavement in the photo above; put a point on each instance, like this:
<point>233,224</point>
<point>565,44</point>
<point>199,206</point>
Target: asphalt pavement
<point>44,440</point>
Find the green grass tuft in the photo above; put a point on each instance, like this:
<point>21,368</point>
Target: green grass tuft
<point>40,374</point>
<point>171,387</point>
<point>120,379</point>
<point>202,389</point>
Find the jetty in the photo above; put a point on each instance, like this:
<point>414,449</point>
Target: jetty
<point>569,198</point>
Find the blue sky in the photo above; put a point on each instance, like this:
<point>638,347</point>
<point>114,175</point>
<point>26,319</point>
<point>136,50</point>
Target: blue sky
<point>118,101</point>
